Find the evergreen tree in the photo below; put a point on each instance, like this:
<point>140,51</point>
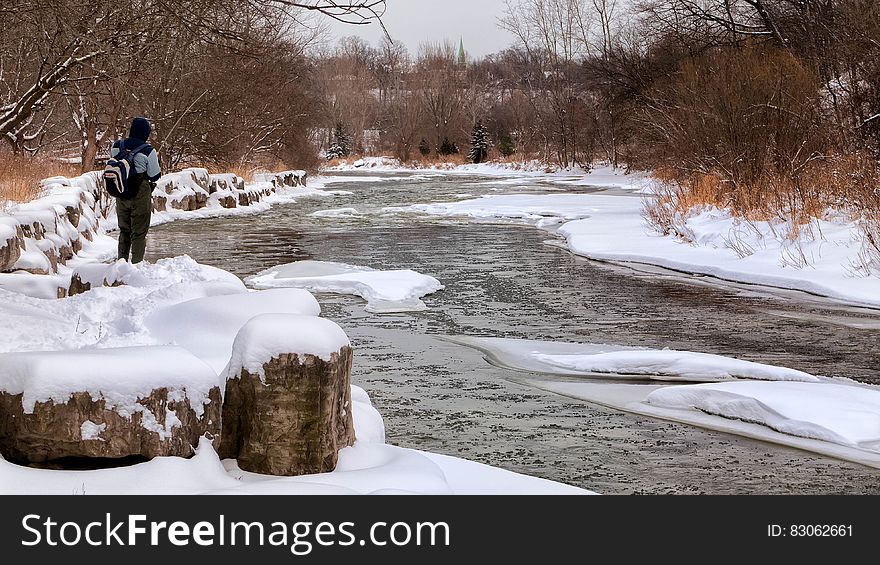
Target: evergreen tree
<point>341,146</point>
<point>424,147</point>
<point>506,146</point>
<point>448,147</point>
<point>479,144</point>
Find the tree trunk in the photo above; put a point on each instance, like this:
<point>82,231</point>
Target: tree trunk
<point>90,147</point>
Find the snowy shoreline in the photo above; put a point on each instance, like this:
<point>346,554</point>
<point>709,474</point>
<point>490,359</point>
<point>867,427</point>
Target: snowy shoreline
<point>608,225</point>
<point>173,324</point>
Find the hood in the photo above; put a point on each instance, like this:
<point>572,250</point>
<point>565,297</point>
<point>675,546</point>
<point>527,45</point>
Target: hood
<point>140,129</point>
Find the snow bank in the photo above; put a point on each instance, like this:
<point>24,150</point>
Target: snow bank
<point>362,469</point>
<point>633,398</point>
<point>207,326</point>
<point>121,376</point>
<point>824,260</point>
<point>600,175</point>
<point>267,336</point>
<point>384,291</point>
<point>67,225</point>
<point>730,248</point>
<point>109,317</point>
<point>376,163</point>
<point>46,235</point>
<point>842,414</point>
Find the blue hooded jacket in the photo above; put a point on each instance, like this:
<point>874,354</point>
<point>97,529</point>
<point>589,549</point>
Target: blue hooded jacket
<point>147,160</point>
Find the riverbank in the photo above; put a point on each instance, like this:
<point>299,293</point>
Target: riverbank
<point>827,257</point>
<point>130,312</point>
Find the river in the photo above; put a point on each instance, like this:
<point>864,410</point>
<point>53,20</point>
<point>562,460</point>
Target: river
<point>505,280</point>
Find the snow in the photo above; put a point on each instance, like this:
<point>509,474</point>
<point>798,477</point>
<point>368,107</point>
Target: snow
<point>684,365</point>
<point>207,326</point>
<point>36,286</point>
<point>835,417</point>
<point>108,317</point>
<point>756,407</point>
<point>267,336</point>
<point>562,358</point>
<point>368,424</point>
<point>91,431</point>
<point>609,226</point>
<point>385,291</point>
<point>335,213</point>
<point>7,228</point>
<point>121,376</point>
<point>732,249</point>
<point>843,414</point>
<point>600,175</point>
<point>286,195</point>
<point>540,210</point>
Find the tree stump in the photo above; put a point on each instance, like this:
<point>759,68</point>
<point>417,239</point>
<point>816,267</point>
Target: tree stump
<point>294,417</point>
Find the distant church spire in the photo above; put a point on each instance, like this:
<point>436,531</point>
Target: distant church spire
<point>462,56</point>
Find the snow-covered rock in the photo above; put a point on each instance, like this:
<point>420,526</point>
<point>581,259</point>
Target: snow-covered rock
<point>108,403</point>
<point>288,408</point>
<point>284,179</point>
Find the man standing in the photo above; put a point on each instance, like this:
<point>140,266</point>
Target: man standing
<point>134,213</point>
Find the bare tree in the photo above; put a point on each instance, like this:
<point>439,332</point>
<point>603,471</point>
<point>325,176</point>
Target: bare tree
<point>549,31</point>
<point>438,80</point>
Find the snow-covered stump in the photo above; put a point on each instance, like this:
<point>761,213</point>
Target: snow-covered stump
<point>287,409</point>
<point>140,402</point>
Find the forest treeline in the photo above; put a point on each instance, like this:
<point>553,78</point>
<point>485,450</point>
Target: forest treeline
<point>756,105</point>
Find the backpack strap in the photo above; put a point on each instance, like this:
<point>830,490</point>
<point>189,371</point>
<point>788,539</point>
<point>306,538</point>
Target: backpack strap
<point>138,149</point>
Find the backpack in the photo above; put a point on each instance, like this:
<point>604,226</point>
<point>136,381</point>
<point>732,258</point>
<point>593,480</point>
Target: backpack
<point>120,177</point>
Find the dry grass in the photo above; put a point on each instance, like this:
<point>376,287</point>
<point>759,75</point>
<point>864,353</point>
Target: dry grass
<point>245,172</point>
<point>20,176</point>
<point>838,184</point>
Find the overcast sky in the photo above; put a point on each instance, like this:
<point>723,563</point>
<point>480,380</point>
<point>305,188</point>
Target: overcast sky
<point>415,21</point>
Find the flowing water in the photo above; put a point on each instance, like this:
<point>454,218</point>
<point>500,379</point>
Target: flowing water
<point>504,280</point>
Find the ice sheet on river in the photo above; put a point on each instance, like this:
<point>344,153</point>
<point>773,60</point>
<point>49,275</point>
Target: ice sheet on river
<point>617,361</point>
<point>385,291</point>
